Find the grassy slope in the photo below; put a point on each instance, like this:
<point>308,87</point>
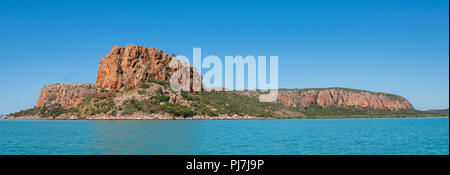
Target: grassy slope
<point>232,103</point>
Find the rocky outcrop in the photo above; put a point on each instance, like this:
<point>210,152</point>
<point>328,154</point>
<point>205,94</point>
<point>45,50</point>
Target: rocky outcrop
<point>342,97</point>
<point>337,97</point>
<point>134,65</point>
<point>142,116</point>
<point>68,95</point>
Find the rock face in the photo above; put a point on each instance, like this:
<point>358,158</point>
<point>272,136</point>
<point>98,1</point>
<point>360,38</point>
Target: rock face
<point>336,97</point>
<point>341,97</point>
<point>134,65</point>
<point>68,95</point>
<point>121,68</point>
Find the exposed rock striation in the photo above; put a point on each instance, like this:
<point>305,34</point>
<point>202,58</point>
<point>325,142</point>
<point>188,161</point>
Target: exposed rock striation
<point>68,95</point>
<point>134,65</point>
<point>341,97</point>
<point>337,97</point>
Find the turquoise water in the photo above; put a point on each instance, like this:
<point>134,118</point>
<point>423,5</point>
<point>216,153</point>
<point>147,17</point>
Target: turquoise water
<point>317,136</point>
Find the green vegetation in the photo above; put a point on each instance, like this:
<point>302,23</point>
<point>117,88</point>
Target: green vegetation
<point>130,88</point>
<point>44,111</point>
<point>103,90</point>
<point>133,105</point>
<point>154,105</point>
<point>161,98</point>
<point>159,91</point>
<point>215,103</point>
<point>120,70</point>
<point>145,86</point>
<point>142,92</point>
<point>186,95</point>
<point>28,112</point>
<point>160,82</point>
<point>93,106</point>
<point>178,110</point>
<point>51,110</point>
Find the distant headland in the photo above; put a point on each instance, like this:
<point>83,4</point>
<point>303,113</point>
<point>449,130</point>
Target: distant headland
<point>133,83</point>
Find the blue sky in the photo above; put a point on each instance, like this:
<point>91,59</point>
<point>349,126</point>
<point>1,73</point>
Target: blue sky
<point>398,46</point>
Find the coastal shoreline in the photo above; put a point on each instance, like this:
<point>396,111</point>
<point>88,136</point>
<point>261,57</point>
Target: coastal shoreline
<point>141,116</point>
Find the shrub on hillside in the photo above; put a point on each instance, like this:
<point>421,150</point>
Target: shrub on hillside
<point>161,82</point>
<point>178,110</point>
<point>142,92</point>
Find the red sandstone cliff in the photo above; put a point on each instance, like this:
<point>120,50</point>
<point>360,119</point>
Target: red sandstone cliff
<point>121,68</point>
<point>342,97</point>
<point>337,97</point>
<point>134,65</point>
<point>68,95</point>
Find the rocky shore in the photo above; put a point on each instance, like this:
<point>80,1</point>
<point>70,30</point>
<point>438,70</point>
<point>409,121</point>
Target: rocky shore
<point>24,117</point>
<point>141,116</point>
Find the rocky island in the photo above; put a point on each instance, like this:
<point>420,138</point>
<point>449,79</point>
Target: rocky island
<point>133,84</point>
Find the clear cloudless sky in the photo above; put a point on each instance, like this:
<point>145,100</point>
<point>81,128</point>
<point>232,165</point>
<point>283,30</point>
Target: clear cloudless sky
<point>397,46</point>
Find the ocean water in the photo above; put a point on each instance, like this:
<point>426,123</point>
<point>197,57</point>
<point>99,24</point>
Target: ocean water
<point>300,137</point>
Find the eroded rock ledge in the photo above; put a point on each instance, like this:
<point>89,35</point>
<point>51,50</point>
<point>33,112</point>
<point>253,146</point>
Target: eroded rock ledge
<point>68,95</point>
